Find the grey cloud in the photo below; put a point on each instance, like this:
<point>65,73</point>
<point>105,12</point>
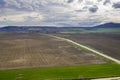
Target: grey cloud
<point>12,4</point>
<point>2,3</point>
<point>116,5</point>
<point>85,8</point>
<point>29,5</point>
<point>90,22</point>
<point>93,9</point>
<point>79,10</point>
<point>70,1</point>
<point>61,12</point>
<point>106,1</point>
<point>80,1</point>
<point>88,2</point>
<point>99,0</point>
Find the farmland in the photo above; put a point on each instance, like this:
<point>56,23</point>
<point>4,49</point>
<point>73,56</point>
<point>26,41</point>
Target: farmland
<point>34,56</point>
<point>103,42</point>
<point>84,71</point>
<point>24,50</point>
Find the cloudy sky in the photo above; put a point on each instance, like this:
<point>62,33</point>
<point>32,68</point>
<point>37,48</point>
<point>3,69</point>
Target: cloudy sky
<point>82,13</point>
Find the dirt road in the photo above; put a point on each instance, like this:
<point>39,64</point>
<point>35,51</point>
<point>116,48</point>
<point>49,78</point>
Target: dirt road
<point>114,78</point>
<point>85,47</point>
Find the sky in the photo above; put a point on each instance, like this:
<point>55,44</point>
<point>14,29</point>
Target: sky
<point>60,13</point>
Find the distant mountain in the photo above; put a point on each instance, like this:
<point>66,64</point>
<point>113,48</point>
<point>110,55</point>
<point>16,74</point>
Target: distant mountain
<point>105,28</point>
<point>108,25</point>
<point>43,29</point>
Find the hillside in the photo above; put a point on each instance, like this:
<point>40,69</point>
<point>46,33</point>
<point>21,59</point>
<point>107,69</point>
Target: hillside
<point>107,28</point>
<point>108,25</point>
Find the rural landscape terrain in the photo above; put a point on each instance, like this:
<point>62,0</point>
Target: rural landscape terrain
<point>37,50</point>
<point>59,39</point>
<point>45,54</point>
<point>104,42</point>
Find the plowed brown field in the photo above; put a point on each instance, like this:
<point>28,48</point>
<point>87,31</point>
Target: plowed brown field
<point>25,50</point>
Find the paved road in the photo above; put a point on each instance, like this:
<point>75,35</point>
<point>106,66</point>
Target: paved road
<point>85,47</point>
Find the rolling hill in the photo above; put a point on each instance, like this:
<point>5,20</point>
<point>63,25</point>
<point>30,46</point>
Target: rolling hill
<point>108,27</point>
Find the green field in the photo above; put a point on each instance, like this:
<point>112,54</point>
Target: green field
<point>85,71</point>
<point>110,30</point>
<point>101,30</point>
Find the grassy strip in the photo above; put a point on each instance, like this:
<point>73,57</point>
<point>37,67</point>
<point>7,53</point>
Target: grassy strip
<point>101,30</point>
<point>86,71</point>
<point>109,30</point>
<point>5,33</point>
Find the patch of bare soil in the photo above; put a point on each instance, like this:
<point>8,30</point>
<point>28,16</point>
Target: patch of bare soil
<point>37,50</point>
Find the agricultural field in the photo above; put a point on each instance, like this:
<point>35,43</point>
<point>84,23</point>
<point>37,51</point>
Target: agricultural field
<point>100,30</point>
<point>25,50</point>
<point>26,56</point>
<point>63,73</point>
<point>107,43</point>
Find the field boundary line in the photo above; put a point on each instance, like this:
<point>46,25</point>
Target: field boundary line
<point>87,48</point>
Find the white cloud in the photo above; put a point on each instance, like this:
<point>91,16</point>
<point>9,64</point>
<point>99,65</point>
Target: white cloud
<point>22,17</point>
<point>58,12</point>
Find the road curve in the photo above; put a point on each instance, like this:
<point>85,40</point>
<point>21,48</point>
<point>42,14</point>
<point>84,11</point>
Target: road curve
<point>87,48</point>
